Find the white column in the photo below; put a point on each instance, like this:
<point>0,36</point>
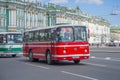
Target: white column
<point>10,18</point>
<point>14,18</point>
<point>25,25</point>
<point>28,22</point>
<point>33,20</point>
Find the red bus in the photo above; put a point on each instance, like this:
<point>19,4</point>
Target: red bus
<point>57,43</point>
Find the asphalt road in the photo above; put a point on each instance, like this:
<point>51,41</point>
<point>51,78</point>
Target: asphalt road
<point>105,49</point>
<point>100,66</point>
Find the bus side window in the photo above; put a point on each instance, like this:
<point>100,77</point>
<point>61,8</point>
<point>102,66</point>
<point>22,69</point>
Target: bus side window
<point>41,35</point>
<point>36,36</point>
<point>47,35</point>
<point>1,39</point>
<point>31,36</point>
<point>26,37</point>
<point>54,37</point>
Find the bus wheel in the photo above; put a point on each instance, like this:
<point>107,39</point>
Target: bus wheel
<point>14,55</point>
<point>31,57</point>
<point>48,58</point>
<point>76,61</point>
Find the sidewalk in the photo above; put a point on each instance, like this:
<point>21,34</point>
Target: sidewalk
<point>104,46</point>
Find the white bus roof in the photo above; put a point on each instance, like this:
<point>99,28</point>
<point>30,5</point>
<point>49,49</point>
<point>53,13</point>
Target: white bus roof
<point>49,27</point>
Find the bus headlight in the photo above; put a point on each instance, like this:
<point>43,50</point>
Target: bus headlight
<point>85,50</point>
<point>10,47</point>
<point>64,51</point>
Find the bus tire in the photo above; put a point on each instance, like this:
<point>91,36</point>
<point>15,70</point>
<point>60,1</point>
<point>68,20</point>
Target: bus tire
<point>48,58</point>
<point>31,57</point>
<point>14,55</point>
<point>76,61</point>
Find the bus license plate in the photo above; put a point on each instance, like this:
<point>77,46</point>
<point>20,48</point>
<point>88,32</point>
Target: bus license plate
<point>75,57</point>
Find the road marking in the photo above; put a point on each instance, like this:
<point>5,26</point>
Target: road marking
<point>100,65</point>
<point>92,57</point>
<point>37,66</point>
<point>107,58</point>
<point>78,75</point>
<point>114,60</point>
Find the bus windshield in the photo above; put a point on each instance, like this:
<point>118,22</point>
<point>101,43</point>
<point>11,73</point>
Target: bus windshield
<point>80,33</point>
<point>65,34</point>
<point>77,33</point>
<point>14,38</point>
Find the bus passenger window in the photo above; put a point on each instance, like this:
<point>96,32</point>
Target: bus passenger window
<point>59,38</point>
<point>48,35</point>
<point>41,35</point>
<point>31,36</point>
<point>36,36</point>
<point>26,37</point>
<point>1,39</point>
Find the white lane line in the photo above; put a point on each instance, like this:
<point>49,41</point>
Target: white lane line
<point>92,57</point>
<point>107,58</point>
<point>99,65</point>
<point>37,66</point>
<point>114,60</point>
<point>78,75</point>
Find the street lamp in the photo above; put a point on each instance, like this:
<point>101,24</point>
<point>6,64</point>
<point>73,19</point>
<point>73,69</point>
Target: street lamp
<point>116,12</point>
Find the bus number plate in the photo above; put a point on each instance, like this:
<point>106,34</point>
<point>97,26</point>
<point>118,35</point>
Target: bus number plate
<point>75,57</point>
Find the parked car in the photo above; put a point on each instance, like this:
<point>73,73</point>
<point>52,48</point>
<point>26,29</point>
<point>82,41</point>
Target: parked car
<point>112,44</point>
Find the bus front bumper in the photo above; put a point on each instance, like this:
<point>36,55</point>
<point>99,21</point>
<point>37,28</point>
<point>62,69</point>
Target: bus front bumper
<point>4,54</point>
<point>71,57</point>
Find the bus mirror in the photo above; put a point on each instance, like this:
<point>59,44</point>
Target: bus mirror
<point>88,33</point>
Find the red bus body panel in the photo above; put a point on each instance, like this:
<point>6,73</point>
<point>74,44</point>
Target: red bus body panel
<point>59,50</point>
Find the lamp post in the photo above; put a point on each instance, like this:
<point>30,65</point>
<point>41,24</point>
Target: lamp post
<point>116,12</point>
